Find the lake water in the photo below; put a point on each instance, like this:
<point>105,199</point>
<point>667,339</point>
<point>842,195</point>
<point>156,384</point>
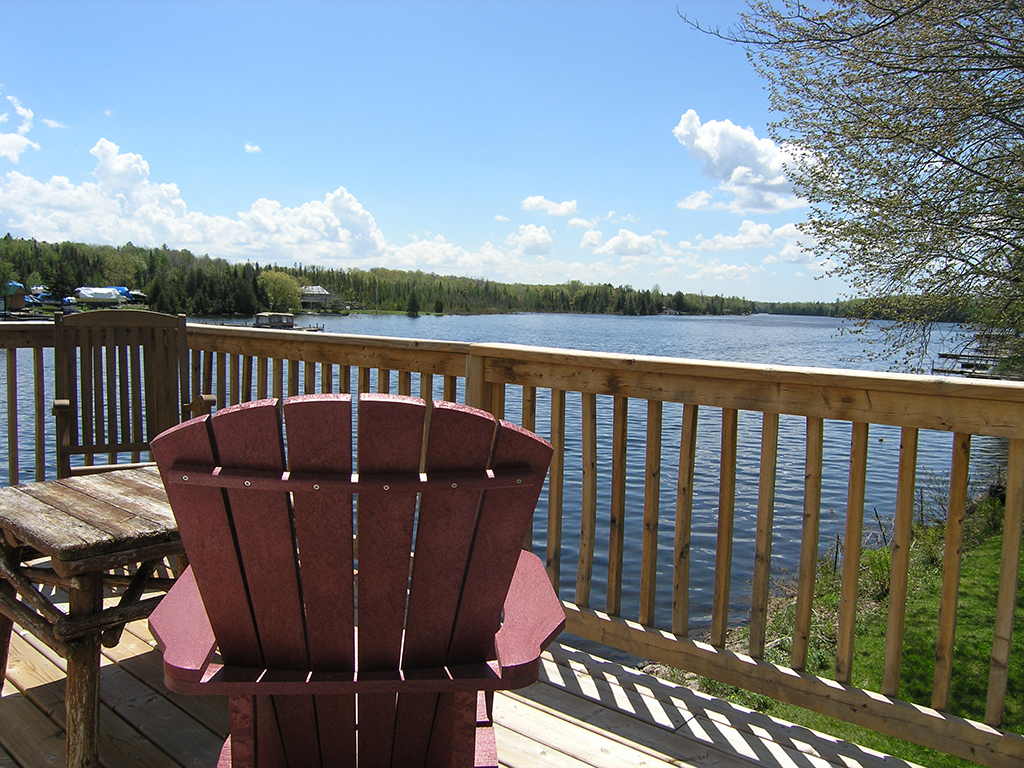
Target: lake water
<point>768,339</point>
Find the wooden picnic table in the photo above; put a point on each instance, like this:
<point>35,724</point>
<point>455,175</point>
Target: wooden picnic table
<point>93,536</point>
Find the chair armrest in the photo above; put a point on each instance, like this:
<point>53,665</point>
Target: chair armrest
<point>182,630</point>
<point>533,618</point>
<point>201,405</point>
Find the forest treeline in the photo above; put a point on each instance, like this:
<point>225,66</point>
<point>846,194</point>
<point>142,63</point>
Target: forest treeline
<point>180,281</point>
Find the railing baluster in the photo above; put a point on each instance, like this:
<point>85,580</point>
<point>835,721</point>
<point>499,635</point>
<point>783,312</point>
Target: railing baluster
<point>763,535</point>
<point>427,386</point>
<point>222,379</point>
<point>235,365</point>
<point>383,380</point>
<point>326,378</point>
<point>451,388</point>
<point>262,383</point>
<point>529,420</point>
<point>293,378</point>
<point>684,520</point>
<point>1009,577</point>
<point>617,506</point>
<point>363,379</point>
<point>309,377</point>
<point>405,382</point>
<point>588,511</point>
<point>12,416</point>
<point>958,481</point>
<point>726,513</point>
<point>898,578</point>
<point>278,382</point>
<point>808,543</point>
<point>40,412</point>
<point>652,497</point>
<point>851,550</point>
<point>345,379</point>
<point>555,479</point>
<point>247,365</point>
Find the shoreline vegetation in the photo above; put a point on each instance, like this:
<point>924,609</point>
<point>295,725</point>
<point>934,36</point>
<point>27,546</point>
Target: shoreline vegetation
<point>979,581</point>
<point>176,280</point>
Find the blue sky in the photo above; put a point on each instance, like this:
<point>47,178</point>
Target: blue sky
<point>525,142</point>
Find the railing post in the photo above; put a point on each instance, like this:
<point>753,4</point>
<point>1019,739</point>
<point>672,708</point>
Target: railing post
<point>477,392</point>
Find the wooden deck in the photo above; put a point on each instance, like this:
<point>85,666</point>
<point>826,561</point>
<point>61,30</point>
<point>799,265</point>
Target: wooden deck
<point>586,711</point>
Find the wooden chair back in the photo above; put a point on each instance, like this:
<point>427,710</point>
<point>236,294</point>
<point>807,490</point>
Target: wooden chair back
<point>121,377</point>
<point>269,511</point>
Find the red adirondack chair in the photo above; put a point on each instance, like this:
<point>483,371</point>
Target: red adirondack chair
<point>373,654</point>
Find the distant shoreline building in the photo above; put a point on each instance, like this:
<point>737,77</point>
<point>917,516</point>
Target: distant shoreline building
<point>315,297</point>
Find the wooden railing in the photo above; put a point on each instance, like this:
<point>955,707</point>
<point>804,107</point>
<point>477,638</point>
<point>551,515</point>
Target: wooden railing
<point>589,401</point>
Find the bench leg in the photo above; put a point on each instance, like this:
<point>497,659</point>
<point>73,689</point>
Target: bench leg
<point>82,697</point>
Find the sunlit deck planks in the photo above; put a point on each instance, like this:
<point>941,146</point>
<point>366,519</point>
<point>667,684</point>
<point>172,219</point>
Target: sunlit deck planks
<point>586,712</point>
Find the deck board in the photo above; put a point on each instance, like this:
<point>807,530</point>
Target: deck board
<point>586,712</point>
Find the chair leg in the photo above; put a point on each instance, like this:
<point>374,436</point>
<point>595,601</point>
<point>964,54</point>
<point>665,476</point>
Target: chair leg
<point>6,627</point>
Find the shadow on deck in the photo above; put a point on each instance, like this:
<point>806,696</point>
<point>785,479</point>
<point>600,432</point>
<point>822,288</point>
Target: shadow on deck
<point>586,711</point>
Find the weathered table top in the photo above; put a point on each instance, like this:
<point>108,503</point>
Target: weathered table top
<point>93,522</point>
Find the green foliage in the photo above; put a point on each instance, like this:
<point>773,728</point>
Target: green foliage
<point>179,281</point>
<point>283,291</point>
<point>905,125</point>
<point>412,308</point>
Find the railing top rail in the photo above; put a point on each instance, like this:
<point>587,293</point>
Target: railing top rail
<point>928,402</point>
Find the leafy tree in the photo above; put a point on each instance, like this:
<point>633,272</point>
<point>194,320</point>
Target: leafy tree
<point>438,307</point>
<point>284,294</point>
<point>905,122</point>
<point>412,309</point>
<point>7,274</point>
<point>60,281</point>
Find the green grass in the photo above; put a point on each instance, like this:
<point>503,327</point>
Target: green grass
<point>973,646</point>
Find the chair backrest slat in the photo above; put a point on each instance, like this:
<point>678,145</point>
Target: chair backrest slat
<point>319,440</point>
<point>504,519</point>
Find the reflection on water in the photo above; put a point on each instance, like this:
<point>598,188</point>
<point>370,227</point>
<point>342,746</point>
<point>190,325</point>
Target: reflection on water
<point>761,339</point>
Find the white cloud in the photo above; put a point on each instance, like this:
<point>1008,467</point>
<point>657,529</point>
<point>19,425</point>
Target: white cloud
<point>14,145</point>
<point>123,204</point>
<point>25,113</point>
<point>581,224</point>
<point>750,235</point>
<point>108,112</point>
<point>540,203</point>
<point>749,169</point>
<point>531,241</point>
<point>716,270</point>
<point>53,123</point>
<point>695,201</point>
<point>592,238</point>
<point>499,217</point>
<point>252,149</point>
<point>628,243</point>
